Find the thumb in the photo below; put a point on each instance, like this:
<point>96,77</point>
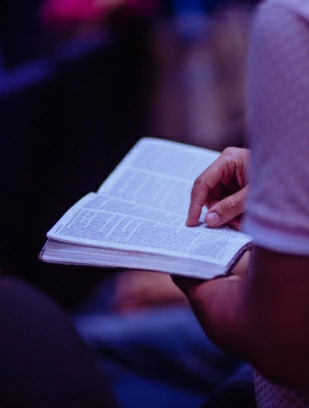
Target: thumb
<point>227,209</point>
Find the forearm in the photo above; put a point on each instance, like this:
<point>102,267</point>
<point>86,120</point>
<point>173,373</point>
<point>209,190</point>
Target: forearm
<point>263,318</point>
<point>218,305</point>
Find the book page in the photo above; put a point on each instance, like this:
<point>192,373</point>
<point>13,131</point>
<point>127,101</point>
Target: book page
<point>63,252</point>
<point>159,174</point>
<point>104,221</point>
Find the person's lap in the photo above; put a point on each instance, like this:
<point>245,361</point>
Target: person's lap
<point>161,358</point>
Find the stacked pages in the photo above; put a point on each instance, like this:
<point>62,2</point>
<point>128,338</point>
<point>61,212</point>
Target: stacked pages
<point>137,218</point>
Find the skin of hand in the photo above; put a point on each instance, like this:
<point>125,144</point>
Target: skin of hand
<point>222,188</point>
<point>139,290</point>
<point>262,316</point>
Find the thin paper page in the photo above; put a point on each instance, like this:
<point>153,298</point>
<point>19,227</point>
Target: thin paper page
<point>159,174</point>
<point>100,220</point>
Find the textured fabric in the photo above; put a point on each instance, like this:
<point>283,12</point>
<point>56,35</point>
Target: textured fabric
<point>269,395</point>
<point>161,358</point>
<point>278,112</point>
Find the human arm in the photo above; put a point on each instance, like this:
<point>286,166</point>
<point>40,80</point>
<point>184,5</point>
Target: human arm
<point>136,290</point>
<point>264,318</point>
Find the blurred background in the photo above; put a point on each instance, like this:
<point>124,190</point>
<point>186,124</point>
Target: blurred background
<point>80,82</point>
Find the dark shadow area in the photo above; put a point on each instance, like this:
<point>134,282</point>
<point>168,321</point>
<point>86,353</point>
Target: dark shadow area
<point>66,120</point>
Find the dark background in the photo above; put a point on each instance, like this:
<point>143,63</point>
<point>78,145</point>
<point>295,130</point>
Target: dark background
<point>71,106</point>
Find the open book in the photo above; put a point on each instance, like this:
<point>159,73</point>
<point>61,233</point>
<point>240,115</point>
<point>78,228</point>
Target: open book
<point>136,219</point>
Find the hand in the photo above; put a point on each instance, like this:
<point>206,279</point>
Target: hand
<point>139,290</point>
<point>187,285</point>
<point>222,187</point>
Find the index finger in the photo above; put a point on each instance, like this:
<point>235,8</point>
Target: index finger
<point>205,182</point>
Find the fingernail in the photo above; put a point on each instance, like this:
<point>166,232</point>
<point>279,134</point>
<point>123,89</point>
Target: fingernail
<point>213,218</point>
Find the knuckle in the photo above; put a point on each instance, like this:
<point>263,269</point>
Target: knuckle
<point>231,152</point>
<point>227,150</point>
<point>198,185</point>
<point>198,182</point>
